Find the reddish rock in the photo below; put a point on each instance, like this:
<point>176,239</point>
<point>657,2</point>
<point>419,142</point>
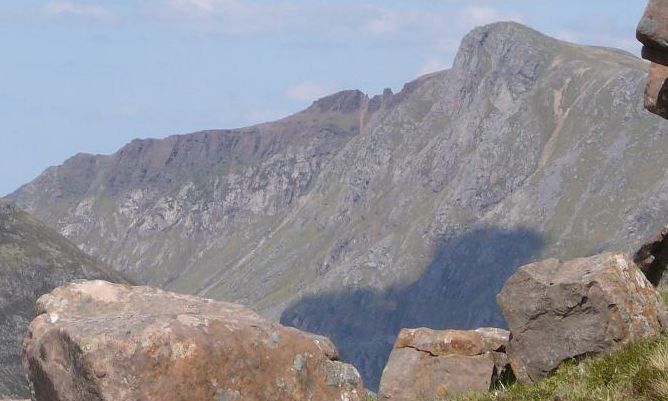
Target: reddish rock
<point>558,311</point>
<point>99,341</point>
<point>656,90</point>
<point>430,364</point>
<point>652,29</point>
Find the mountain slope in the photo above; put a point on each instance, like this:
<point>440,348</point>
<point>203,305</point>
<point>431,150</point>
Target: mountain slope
<point>34,260</point>
<point>359,216</point>
<point>174,211</point>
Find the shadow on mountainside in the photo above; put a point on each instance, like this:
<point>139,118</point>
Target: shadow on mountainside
<point>457,290</point>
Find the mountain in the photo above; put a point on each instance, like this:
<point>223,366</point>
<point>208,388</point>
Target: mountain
<point>34,260</point>
<point>359,216</point>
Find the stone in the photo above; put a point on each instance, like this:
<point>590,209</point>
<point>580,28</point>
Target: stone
<point>430,364</point>
<point>652,32</point>
<point>93,340</point>
<point>559,311</point>
<point>655,55</point>
<point>656,90</point>
<point>652,29</point>
<point>652,258</point>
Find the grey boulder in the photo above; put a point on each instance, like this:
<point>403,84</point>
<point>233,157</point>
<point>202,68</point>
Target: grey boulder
<point>559,311</point>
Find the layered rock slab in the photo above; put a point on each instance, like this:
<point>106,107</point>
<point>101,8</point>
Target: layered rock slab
<point>559,311</point>
<point>94,340</point>
<point>438,364</point>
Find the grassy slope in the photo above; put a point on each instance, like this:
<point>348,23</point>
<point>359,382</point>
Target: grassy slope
<point>637,372</point>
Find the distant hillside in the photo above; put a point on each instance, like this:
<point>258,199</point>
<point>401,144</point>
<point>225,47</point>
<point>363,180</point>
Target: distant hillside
<point>362,215</point>
<point>34,260</point>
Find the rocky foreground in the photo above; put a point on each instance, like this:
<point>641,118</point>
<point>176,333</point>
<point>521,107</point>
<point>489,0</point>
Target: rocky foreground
<point>557,312</point>
<point>99,341</point>
<point>93,340</point>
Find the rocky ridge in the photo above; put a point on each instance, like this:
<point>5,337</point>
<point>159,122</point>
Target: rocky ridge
<point>360,216</point>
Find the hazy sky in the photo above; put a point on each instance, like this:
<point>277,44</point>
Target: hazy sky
<point>88,76</point>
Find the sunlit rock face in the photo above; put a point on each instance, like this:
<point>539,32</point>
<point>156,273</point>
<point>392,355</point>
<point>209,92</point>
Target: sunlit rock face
<point>95,340</point>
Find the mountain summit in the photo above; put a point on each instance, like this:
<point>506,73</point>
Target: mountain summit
<point>359,216</point>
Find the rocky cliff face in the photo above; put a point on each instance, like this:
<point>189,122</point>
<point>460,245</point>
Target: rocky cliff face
<point>34,260</point>
<point>359,216</point>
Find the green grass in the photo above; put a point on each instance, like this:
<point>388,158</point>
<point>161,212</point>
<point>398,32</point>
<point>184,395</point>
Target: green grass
<point>636,372</point>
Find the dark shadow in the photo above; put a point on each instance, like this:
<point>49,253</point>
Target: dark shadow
<point>457,290</point>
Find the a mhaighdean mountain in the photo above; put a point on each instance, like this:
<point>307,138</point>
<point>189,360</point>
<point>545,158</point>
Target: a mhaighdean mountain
<point>34,259</point>
<point>359,216</point>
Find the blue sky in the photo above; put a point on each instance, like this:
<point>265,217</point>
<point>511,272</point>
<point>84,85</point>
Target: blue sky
<point>89,76</point>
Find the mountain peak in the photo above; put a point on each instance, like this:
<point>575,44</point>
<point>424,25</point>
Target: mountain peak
<point>503,32</point>
<point>499,39</point>
<point>509,28</point>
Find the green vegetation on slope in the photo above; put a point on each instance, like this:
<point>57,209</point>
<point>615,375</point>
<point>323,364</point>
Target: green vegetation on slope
<point>637,372</point>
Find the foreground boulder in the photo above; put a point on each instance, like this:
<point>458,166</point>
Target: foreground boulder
<point>558,311</point>
<point>429,364</point>
<point>98,341</point>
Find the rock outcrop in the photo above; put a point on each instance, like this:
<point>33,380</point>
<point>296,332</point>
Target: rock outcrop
<point>559,311</point>
<point>34,259</point>
<point>94,341</point>
<point>429,364</point>
<point>652,32</point>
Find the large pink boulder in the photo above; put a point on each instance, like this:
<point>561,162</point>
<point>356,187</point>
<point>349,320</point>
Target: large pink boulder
<point>94,341</point>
